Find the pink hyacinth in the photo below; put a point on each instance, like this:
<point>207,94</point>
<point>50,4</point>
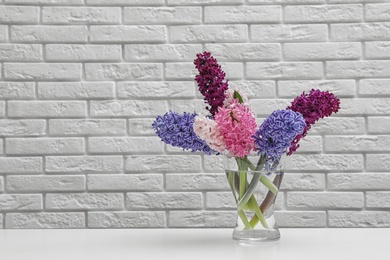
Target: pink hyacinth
<point>207,130</point>
<point>237,125</point>
<point>229,97</point>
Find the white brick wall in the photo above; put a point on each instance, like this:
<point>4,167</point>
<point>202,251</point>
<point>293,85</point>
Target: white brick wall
<point>82,80</point>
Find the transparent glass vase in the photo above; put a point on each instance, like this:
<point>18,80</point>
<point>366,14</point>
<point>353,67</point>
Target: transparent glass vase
<point>255,184</point>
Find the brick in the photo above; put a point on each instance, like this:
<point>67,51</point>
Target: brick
<point>127,108</point>
<point>25,109</point>
<point>46,2</point>
<point>245,51</point>
<point>339,126</point>
<point>165,200</point>
<point>44,183</point>
<point>84,164</point>
<point>1,149</point>
<point>81,15</point>
<point>39,33</point>
<point>19,14</point>
<point>125,2</point>
<point>3,33</point>
<point>42,71</point>
<point>2,109</point>
<point>20,52</point>
<point>323,13</point>
<point>365,106</point>
<point>303,181</point>
<point>187,71</point>
<point>360,31</point>
<point>161,52</point>
<point>355,219</point>
<point>195,182</point>
<point>11,128</point>
<point>358,181</point>
<point>255,88</point>
<point>84,201</point>
<point>214,163</point>
<point>166,89</point>
<point>126,219</point>
<point>123,71</point>
<point>44,220</point>
<point>1,184</point>
<point>264,107</point>
<point>322,51</point>
<point>180,71</point>
<point>163,163</point>
<point>20,165</point>
<point>20,202</point>
<point>141,126</point>
<point>328,200</point>
<point>280,70</point>
<point>312,144</point>
<point>82,52</point>
<point>71,127</point>
<point>286,1</point>
<point>288,32</point>
<point>220,200</point>
<point>357,143</point>
<point>378,162</point>
<point>325,162</point>
<point>162,15</point>
<point>125,182</point>
<point>304,219</point>
<point>242,14</point>
<point>293,88</point>
<point>128,145</point>
<point>379,125</point>
<point>128,34</point>
<point>374,87</point>
<point>1,221</point>
<point>378,199</point>
<point>209,33</point>
<point>181,106</point>
<point>377,12</point>
<point>198,219</point>
<point>377,50</point>
<point>38,146</point>
<point>204,2</point>
<point>348,69</point>
<point>17,90</point>
<point>76,90</point>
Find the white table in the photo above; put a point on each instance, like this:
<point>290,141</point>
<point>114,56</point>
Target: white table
<point>188,244</point>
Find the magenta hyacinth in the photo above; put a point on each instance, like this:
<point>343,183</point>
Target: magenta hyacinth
<point>313,106</point>
<point>210,81</point>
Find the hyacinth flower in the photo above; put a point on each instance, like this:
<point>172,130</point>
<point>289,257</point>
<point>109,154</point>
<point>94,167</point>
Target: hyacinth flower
<point>272,140</point>
<point>177,130</point>
<point>313,106</point>
<point>237,125</point>
<point>208,130</point>
<point>210,81</point>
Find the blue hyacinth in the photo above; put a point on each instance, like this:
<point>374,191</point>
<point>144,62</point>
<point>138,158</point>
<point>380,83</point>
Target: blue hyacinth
<point>277,132</point>
<point>177,130</point>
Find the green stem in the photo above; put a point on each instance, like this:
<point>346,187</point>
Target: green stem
<point>241,214</point>
<point>267,183</point>
<point>258,213</point>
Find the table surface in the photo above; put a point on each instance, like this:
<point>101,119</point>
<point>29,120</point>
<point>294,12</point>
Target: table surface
<point>188,244</point>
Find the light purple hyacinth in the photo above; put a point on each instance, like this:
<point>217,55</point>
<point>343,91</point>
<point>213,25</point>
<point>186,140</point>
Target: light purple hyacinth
<point>277,132</point>
<point>177,130</point>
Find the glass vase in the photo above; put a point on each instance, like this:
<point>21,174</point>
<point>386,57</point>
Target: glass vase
<point>255,183</point>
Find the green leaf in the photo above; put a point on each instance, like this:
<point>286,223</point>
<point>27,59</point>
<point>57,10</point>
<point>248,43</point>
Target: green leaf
<point>238,96</point>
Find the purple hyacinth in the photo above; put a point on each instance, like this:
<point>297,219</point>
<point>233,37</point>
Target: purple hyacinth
<point>313,106</point>
<point>210,81</point>
<point>277,132</point>
<point>177,130</point>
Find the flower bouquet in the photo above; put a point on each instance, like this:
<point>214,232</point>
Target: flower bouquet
<point>253,155</point>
